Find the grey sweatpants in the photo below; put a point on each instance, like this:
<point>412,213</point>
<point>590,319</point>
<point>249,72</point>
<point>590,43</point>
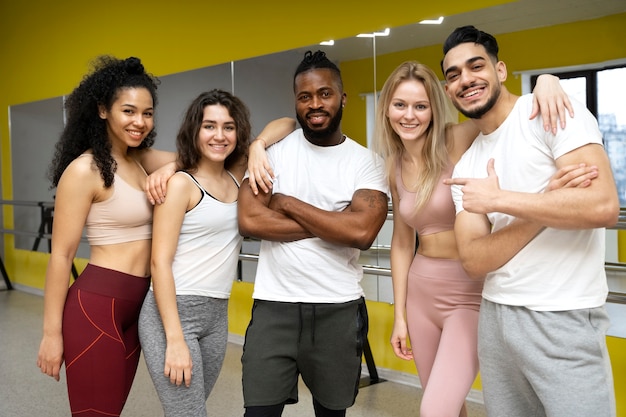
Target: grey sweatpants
<point>545,363</point>
<point>205,326</point>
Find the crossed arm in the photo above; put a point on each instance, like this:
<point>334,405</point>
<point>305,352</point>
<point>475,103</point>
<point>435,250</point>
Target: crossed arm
<point>283,218</point>
<point>577,202</point>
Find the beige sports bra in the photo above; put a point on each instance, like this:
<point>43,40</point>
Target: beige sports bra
<point>126,216</point>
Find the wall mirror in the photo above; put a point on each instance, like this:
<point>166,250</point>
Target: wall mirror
<point>264,83</point>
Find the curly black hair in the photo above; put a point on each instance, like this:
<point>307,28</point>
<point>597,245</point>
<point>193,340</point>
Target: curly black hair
<point>315,60</point>
<point>84,129</point>
<point>186,140</point>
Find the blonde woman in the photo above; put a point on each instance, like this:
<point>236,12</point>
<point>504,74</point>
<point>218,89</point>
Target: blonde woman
<point>436,303</point>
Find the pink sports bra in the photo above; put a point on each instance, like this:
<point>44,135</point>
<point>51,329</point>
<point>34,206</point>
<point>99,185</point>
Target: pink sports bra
<point>126,216</point>
<point>437,215</point>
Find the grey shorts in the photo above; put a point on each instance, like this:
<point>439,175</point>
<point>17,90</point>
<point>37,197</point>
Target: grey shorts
<point>545,363</point>
<point>321,342</point>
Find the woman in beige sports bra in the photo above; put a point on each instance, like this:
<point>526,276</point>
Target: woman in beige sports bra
<point>93,325</point>
<point>435,302</point>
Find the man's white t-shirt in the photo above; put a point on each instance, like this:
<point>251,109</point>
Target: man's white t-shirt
<point>312,270</point>
<point>559,269</point>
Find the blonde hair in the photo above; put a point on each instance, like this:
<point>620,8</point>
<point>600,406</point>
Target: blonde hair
<point>389,145</point>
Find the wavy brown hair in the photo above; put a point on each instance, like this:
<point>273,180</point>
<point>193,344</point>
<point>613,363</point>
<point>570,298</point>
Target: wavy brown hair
<point>187,138</point>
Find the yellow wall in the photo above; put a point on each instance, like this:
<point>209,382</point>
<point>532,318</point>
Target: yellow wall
<point>45,47</point>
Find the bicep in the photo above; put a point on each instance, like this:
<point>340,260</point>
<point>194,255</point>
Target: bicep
<point>372,203</point>
<point>249,206</point>
<point>469,227</point>
<point>403,234</point>
<point>248,203</point>
<point>168,219</point>
<point>592,154</point>
<point>73,201</point>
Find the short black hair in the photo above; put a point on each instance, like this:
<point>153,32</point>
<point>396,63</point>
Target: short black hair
<point>465,34</point>
<point>316,60</point>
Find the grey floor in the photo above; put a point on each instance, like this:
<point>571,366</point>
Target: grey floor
<point>25,392</point>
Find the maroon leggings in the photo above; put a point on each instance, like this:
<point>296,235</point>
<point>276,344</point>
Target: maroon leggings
<point>101,344</point>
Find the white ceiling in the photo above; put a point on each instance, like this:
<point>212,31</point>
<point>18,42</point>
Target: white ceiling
<point>510,17</point>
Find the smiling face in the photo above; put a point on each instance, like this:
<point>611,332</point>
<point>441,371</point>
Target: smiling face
<point>319,102</point>
<point>130,118</point>
<point>473,79</point>
<point>410,112</point>
<point>217,137</point>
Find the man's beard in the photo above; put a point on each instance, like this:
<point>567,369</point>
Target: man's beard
<point>479,112</point>
<point>316,135</point>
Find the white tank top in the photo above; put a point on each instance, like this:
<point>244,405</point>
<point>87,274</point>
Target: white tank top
<point>208,248</point>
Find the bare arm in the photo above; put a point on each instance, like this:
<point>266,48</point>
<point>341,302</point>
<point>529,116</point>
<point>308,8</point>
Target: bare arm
<point>256,219</point>
<point>160,166</point>
<point>572,208</point>
<point>402,253</point>
<point>259,169</point>
<point>550,98</point>
<point>75,193</point>
<point>477,246</point>
<point>482,251</point>
<point>168,219</point>
<point>567,208</point>
<point>357,226</point>
<point>152,159</point>
<point>459,138</point>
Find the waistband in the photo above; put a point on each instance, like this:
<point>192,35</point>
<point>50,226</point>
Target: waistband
<point>439,268</point>
<point>112,283</point>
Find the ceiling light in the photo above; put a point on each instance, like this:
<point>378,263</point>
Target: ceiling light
<point>328,43</point>
<point>373,35</point>
<point>432,21</point>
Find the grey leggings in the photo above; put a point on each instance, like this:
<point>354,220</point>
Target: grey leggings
<point>205,326</point>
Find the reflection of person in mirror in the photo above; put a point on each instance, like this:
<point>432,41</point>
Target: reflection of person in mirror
<point>100,186</point>
<point>328,201</point>
<point>542,326</point>
<point>183,322</point>
<point>435,302</point>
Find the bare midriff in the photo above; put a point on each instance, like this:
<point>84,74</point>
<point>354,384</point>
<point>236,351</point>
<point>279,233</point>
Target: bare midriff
<point>130,257</point>
<point>438,245</point>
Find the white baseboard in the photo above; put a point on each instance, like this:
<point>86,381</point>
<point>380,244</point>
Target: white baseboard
<point>27,289</point>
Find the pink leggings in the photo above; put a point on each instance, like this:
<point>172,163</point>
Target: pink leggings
<point>101,345</point>
<point>442,315</point>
